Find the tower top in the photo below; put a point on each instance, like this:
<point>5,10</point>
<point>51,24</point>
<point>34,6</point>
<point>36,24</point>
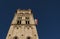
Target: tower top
<point>24,11</point>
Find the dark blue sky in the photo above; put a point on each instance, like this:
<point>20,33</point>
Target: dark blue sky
<point>46,11</point>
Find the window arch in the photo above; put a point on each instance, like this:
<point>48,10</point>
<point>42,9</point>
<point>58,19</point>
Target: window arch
<point>28,37</point>
<point>15,37</point>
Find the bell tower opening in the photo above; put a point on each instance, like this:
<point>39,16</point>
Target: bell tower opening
<point>28,37</point>
<point>15,37</point>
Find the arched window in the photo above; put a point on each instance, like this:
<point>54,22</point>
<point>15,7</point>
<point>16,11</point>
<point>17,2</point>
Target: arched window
<point>18,21</point>
<point>27,22</point>
<point>27,17</point>
<point>28,37</point>
<point>19,17</point>
<point>15,37</point>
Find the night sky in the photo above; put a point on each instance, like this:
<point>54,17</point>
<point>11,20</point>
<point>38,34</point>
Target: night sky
<point>46,11</point>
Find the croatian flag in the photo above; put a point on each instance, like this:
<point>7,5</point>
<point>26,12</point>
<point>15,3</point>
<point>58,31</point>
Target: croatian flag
<point>36,21</point>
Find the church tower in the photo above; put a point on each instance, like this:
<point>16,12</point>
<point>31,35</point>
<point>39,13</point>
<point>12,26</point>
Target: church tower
<point>23,26</point>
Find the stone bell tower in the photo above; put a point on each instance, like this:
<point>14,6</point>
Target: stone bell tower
<point>23,26</point>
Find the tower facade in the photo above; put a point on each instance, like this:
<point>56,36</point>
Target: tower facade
<point>23,26</point>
